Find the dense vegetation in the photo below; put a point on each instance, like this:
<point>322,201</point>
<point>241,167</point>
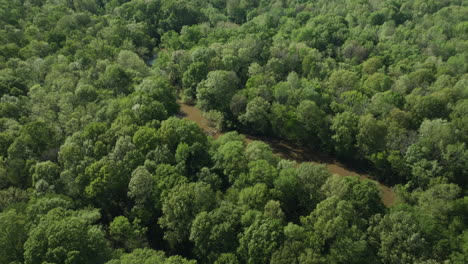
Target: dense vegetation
<point>95,167</point>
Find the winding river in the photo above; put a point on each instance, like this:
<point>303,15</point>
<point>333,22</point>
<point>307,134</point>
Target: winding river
<point>289,151</point>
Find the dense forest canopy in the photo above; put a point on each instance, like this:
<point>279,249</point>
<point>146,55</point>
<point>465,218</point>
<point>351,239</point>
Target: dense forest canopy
<point>96,165</point>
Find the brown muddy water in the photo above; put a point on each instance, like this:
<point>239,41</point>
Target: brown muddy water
<point>287,150</point>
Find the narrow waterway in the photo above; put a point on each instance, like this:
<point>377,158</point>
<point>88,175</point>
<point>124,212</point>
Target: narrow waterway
<point>289,151</point>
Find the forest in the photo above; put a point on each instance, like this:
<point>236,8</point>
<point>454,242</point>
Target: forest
<point>99,165</point>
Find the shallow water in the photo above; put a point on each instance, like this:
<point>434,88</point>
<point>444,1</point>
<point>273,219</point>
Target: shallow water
<point>290,151</point>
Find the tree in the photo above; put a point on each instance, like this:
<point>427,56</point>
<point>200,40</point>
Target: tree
<point>455,160</point>
<point>459,118</point>
<point>83,5</point>
<point>116,79</point>
<point>174,131</point>
<point>460,256</point>
<point>364,195</point>
<point>127,235</point>
<point>105,184</point>
<point>341,81</point>
<point>311,178</point>
<point>382,103</point>
<point>165,178</point>
<point>438,200</point>
<point>35,138</point>
<point>174,15</point>
<point>13,235</point>
<point>148,111</point>
<point>378,82</point>
<point>215,232</point>
<point>86,93</point>
<point>238,103</point>
<point>230,159</point>
<point>258,242</point>
<point>195,73</point>
<point>64,236</point>
<point>254,197</point>
<point>344,127</point>
<point>313,120</point>
<point>40,206</point>
<point>336,231</point>
<point>284,122</point>
<point>371,135</point>
<point>352,101</point>
<point>260,171</point>
<point>11,196</point>
<point>293,246</point>
<point>141,189</point>
<point>215,120</point>
<point>259,150</point>
<point>217,90</point>
<point>146,139</point>
<point>434,136</point>
<point>227,258</point>
<point>205,175</point>
<point>47,172</point>
<point>131,62</point>
<point>158,88</point>
<point>287,185</point>
<point>179,209</point>
<point>256,115</point>
<point>140,255</point>
<point>424,157</point>
<point>398,237</point>
<point>372,65</point>
<point>148,256</point>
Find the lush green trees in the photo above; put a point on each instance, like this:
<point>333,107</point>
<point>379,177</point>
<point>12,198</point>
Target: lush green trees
<point>147,256</point>
<point>260,240</point>
<point>98,166</point>
<point>179,209</point>
<point>215,232</point>
<point>230,158</point>
<point>345,126</point>
<point>127,235</point>
<point>399,237</point>
<point>13,235</point>
<point>66,236</point>
<point>216,91</point>
<point>337,232</point>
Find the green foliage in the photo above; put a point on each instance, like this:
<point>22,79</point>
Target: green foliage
<point>258,242</point>
<point>258,150</point>
<point>147,256</point>
<point>215,232</point>
<point>336,231</point>
<point>65,237</point>
<point>14,234</point>
<point>180,207</point>
<point>254,197</point>
<point>215,119</point>
<point>97,165</point>
<point>175,130</point>
<point>230,159</point>
<point>344,126</point>
<point>125,234</point>
<point>116,79</point>
<point>256,115</point>
<point>46,172</point>
<point>399,237</point>
<point>364,195</point>
<point>216,91</point>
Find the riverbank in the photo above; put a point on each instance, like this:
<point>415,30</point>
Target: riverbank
<point>289,151</point>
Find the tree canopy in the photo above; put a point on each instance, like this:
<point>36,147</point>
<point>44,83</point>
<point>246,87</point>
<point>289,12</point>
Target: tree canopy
<point>99,165</point>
